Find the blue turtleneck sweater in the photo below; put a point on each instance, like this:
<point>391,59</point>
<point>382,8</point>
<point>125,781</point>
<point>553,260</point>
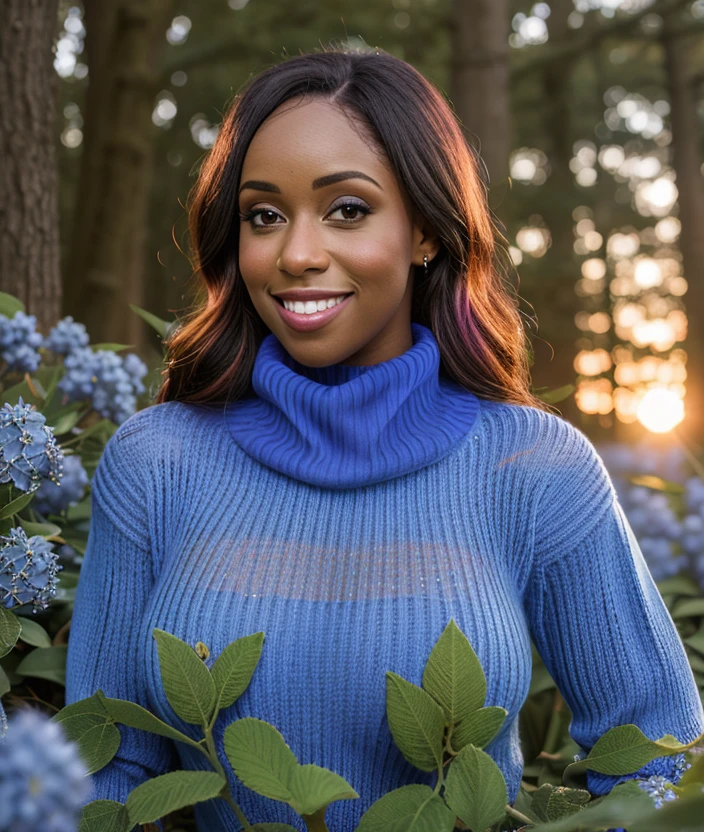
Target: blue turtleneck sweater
<point>349,513</point>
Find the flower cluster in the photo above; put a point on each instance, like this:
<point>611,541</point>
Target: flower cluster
<point>658,787</point>
<point>111,382</point>
<point>43,781</point>
<point>19,342</point>
<point>28,449</point>
<point>66,336</point>
<point>669,544</point>
<point>51,498</point>
<point>28,571</point>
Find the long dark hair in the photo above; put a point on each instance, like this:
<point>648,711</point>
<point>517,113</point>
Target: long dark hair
<point>465,301</point>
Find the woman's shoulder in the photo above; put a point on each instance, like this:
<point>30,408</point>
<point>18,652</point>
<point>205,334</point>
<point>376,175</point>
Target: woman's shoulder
<point>167,420</point>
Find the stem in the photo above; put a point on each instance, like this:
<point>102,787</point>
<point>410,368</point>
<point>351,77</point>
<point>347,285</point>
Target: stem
<point>225,793</point>
<point>316,821</point>
<point>516,814</point>
<point>553,734</point>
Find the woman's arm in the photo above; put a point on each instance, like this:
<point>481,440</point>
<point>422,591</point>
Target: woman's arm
<point>598,619</point>
<point>113,588</point>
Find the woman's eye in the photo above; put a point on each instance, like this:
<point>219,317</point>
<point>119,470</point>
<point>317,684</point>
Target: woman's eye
<point>346,208</point>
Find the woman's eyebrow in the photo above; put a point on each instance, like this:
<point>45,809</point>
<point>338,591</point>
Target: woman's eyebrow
<point>322,182</point>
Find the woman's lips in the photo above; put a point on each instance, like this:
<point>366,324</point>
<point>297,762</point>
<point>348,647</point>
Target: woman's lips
<point>306,323</point>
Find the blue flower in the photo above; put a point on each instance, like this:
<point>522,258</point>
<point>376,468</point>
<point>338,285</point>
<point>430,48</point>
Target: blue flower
<point>28,448</point>
<point>111,382</point>
<point>66,336</point>
<point>51,498</point>
<point>19,341</point>
<point>43,781</point>
<point>28,570</point>
<point>658,786</point>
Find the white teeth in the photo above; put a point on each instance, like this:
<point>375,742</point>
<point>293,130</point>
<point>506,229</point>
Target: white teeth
<point>311,306</point>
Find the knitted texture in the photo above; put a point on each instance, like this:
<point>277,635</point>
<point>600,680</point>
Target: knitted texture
<point>515,531</point>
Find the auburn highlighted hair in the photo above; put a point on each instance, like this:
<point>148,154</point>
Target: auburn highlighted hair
<point>466,301</point>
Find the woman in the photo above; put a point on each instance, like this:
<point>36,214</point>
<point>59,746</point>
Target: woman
<point>345,454</point>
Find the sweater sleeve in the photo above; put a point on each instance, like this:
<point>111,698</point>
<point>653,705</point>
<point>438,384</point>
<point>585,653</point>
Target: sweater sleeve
<point>598,620</point>
<point>113,589</point>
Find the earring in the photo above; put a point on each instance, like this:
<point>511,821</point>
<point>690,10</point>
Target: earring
<point>425,265</point>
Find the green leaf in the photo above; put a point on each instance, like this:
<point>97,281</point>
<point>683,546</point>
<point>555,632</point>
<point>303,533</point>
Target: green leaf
<point>412,808</point>
<point>157,323</point>
<point>453,675</point>
<point>314,788</point>
<point>45,530</point>
<point>111,347</point>
<point>134,715</point>
<point>621,750</point>
<point>260,757</point>
<point>167,793</point>
<point>45,663</point>
<point>10,305</point>
<point>232,670</point>
<point>64,423</point>
<point>687,607</point>
<point>479,728</point>
<point>33,633</point>
<point>87,723</point>
<point>10,629</point>
<point>557,394</point>
<point>416,722</point>
<point>697,640</point>
<point>555,802</point>
<point>475,788</point>
<point>188,685</point>
<point>4,683</point>
<point>679,585</point>
<point>16,505</point>
<point>656,483</point>
<point>104,816</point>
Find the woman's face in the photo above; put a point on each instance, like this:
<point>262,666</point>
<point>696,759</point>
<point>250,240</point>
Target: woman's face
<point>357,236</point>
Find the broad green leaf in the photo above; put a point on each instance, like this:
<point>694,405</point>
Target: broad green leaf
<point>479,728</point>
<point>10,629</point>
<point>23,390</point>
<point>314,788</point>
<point>557,394</point>
<point>188,685</point>
<point>16,505</point>
<point>88,724</point>
<point>694,774</point>
<point>555,802</point>
<point>232,670</point>
<point>475,788</point>
<point>657,483</point>
<point>45,663</point>
<point>157,323</point>
<point>104,816</point>
<point>4,683</point>
<point>453,675</point>
<point>416,722</point>
<point>45,530</point>
<point>68,421</point>
<point>687,607</point>
<point>33,633</point>
<point>10,305</point>
<point>697,640</point>
<point>260,757</point>
<point>683,815</point>
<point>134,715</point>
<point>167,793</point>
<point>679,585</point>
<point>622,750</point>
<point>413,808</point>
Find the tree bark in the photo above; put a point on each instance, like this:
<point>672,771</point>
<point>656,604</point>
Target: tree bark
<point>480,79</point>
<point>124,40</point>
<point>687,165</point>
<point>30,264</point>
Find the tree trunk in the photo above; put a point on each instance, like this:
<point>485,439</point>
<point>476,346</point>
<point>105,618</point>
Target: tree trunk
<point>480,79</point>
<point>30,264</point>
<point>686,162</point>
<point>124,42</point>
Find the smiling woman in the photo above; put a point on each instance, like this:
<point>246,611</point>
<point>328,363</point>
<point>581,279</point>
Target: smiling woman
<point>345,455</point>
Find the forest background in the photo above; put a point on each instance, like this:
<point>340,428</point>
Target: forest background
<point>587,115</point>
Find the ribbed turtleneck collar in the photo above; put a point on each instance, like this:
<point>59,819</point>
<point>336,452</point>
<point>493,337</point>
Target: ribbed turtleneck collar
<point>348,426</point>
